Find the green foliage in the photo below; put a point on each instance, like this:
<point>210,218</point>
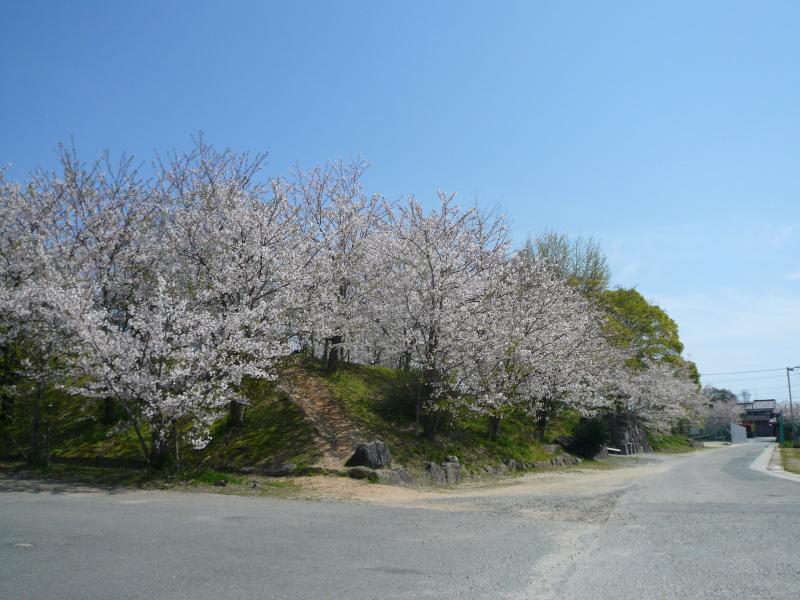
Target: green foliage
<point>645,329</point>
<point>589,437</point>
<point>210,477</point>
<point>579,261</point>
<point>563,423</point>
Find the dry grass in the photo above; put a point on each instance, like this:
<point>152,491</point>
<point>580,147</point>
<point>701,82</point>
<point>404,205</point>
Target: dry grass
<point>790,459</point>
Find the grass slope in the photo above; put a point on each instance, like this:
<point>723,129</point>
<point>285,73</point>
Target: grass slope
<point>380,401</point>
<point>671,444</point>
<point>274,432</point>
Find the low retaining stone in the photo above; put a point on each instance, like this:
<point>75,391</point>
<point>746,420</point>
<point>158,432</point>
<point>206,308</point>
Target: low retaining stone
<point>394,477</point>
<point>361,473</point>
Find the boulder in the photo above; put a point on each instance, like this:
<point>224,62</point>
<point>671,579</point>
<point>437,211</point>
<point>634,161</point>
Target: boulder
<point>374,455</point>
<point>452,471</point>
<point>361,473</point>
<point>435,473</point>
<point>564,441</point>
<point>511,464</point>
<point>394,477</point>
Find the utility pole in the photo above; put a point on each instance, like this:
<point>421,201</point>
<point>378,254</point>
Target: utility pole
<point>791,406</point>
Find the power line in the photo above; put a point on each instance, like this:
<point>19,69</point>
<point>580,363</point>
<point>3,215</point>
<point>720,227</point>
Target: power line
<point>751,379</point>
<point>740,372</point>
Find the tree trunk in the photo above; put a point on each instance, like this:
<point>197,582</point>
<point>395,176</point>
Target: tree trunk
<point>6,407</point>
<point>433,424</point>
<point>35,455</point>
<point>494,427</point>
<point>541,427</point>
<point>108,411</point>
<point>235,413</point>
<point>47,444</point>
<point>159,450</point>
<point>335,353</point>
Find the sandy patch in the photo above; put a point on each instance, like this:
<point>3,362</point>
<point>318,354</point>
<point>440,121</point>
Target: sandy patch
<point>462,497</point>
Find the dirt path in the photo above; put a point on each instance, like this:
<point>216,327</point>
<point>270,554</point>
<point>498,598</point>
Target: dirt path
<point>549,489</point>
<point>337,436</point>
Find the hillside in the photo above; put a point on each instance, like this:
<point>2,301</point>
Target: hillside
<point>308,418</point>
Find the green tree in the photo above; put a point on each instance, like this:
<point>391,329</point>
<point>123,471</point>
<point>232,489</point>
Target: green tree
<point>645,329</point>
<point>579,261</point>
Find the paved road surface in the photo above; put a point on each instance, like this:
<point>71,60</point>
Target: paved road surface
<point>698,526</point>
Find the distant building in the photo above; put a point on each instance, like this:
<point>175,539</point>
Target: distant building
<point>760,418</point>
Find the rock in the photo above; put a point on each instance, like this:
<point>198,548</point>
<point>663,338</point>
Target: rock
<point>374,455</point>
<point>220,483</point>
<point>602,454</point>
<point>511,464</point>
<point>361,473</point>
<point>394,477</point>
<point>452,472</point>
<point>564,441</point>
<point>283,470</point>
<point>435,473</point>
<point>552,448</point>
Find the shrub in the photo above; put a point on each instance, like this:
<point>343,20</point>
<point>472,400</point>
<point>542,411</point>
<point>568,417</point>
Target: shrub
<point>589,437</point>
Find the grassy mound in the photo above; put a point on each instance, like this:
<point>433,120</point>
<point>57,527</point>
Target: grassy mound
<point>380,401</point>
<point>671,444</point>
<point>274,432</point>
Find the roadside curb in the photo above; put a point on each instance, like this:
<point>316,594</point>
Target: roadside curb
<point>765,464</point>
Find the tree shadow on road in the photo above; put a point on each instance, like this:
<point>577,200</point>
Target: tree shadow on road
<point>53,486</point>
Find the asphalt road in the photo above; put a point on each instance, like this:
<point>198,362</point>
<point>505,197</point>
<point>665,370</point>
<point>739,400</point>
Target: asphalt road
<point>698,526</point>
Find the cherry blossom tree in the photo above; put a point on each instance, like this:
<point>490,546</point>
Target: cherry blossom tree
<point>656,396</point>
<point>174,290</point>
<point>547,352</point>
<point>29,296</point>
<point>339,222</point>
<point>238,245</point>
<point>444,262</point>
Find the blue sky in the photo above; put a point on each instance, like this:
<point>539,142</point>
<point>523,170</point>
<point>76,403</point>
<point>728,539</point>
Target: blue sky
<point>667,130</point>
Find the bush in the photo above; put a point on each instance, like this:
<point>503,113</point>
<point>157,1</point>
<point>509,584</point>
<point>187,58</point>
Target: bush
<point>589,437</point>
